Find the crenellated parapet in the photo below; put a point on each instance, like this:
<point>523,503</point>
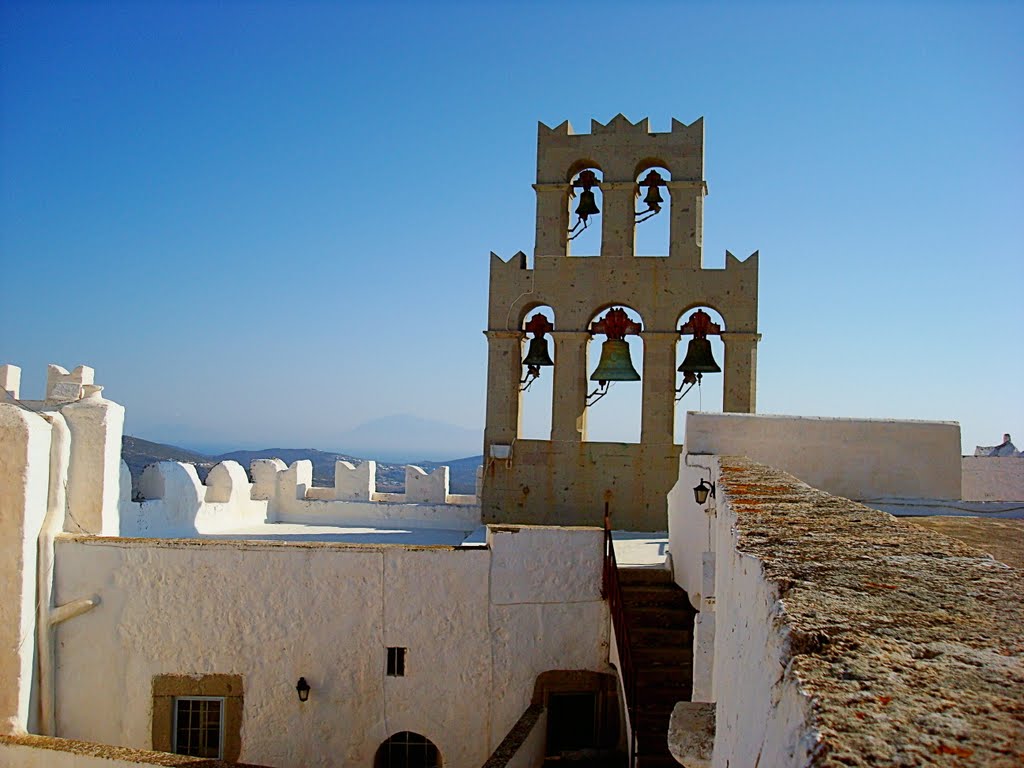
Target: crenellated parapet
<point>176,503</point>
<point>620,149</point>
<point>617,153</point>
<point>578,289</point>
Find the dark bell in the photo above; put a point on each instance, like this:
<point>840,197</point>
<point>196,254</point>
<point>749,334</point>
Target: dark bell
<point>615,363</point>
<point>699,358</point>
<point>537,354</point>
<point>587,206</point>
<point>653,200</point>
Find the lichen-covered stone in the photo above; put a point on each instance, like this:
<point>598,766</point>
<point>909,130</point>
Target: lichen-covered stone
<point>908,644</point>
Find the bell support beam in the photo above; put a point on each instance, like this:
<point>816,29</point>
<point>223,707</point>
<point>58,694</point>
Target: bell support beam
<point>686,228</point>
<point>657,421</point>
<point>568,404</point>
<point>618,226</point>
<point>552,219</point>
<point>504,369</point>
<point>740,386</point>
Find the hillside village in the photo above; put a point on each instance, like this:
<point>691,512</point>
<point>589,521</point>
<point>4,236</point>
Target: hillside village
<point>750,596</point>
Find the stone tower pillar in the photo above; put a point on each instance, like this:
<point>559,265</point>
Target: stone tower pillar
<point>567,479</point>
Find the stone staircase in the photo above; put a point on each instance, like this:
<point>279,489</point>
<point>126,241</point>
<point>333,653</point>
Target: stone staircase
<point>660,623</point>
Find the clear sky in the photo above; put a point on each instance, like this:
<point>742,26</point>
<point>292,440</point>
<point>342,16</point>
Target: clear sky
<point>269,223</point>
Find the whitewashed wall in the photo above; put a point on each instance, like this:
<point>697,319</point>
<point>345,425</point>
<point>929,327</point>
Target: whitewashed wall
<point>855,458</point>
<point>993,478</point>
<point>761,714</point>
<point>480,625</point>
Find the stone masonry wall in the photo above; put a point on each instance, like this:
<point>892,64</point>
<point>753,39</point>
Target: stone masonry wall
<point>906,644</point>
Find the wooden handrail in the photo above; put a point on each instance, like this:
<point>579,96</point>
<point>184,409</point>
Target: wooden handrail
<point>612,592</point>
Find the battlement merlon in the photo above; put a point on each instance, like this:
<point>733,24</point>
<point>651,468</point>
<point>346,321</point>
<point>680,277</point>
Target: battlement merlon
<point>621,150</point>
<point>577,289</point>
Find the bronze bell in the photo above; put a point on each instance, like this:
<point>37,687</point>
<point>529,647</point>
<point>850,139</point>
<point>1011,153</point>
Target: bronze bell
<point>653,200</point>
<point>615,363</point>
<point>587,206</point>
<point>699,358</point>
<point>537,354</point>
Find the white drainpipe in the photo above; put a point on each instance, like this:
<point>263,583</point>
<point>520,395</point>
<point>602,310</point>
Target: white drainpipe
<point>49,615</point>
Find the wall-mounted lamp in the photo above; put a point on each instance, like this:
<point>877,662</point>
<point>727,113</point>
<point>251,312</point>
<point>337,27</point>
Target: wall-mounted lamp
<point>699,359</point>
<point>615,363</point>
<point>537,355</point>
<point>702,491</point>
<point>303,689</point>
<point>653,199</point>
<point>588,203</point>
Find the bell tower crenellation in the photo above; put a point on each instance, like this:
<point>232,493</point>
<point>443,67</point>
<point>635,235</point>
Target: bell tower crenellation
<point>566,479</point>
<point>621,150</point>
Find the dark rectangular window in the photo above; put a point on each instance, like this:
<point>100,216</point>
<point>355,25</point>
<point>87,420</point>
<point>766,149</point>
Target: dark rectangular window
<point>396,662</point>
<point>198,726</point>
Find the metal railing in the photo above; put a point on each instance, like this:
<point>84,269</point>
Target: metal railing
<point>612,592</point>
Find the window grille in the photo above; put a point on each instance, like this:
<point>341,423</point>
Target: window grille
<point>199,726</point>
<point>407,750</point>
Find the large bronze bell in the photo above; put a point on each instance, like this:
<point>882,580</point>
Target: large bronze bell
<point>587,206</point>
<point>537,354</point>
<point>699,358</point>
<point>653,200</point>
<point>615,363</point>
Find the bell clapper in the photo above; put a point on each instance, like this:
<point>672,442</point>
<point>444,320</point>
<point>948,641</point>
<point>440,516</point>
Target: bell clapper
<point>691,379</point>
<point>532,374</point>
<point>600,391</point>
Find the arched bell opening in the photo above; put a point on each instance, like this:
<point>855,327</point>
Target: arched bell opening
<point>615,358</point>
<point>537,384</point>
<point>407,750</point>
<point>653,211</point>
<point>699,351</point>
<point>585,205</point>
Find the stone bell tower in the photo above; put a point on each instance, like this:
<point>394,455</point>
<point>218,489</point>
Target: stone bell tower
<point>567,479</point>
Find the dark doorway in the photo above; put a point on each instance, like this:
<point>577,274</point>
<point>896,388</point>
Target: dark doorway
<point>572,722</point>
<point>407,750</point>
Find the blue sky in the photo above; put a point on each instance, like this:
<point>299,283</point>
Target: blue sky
<point>269,223</point>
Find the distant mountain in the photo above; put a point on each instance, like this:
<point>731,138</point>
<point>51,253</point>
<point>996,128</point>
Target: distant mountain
<point>420,439</point>
<point>138,454</point>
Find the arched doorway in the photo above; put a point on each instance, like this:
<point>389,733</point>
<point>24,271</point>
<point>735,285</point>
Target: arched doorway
<point>407,750</point>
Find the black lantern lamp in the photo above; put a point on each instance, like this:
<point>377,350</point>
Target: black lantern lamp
<point>302,687</point>
<point>702,491</point>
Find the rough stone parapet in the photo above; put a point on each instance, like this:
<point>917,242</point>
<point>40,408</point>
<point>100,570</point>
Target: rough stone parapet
<point>102,754</point>
<point>907,644</point>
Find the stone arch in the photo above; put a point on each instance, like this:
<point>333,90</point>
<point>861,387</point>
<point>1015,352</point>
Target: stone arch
<point>407,749</point>
<point>651,161</point>
<point>582,164</point>
<point>705,305</point>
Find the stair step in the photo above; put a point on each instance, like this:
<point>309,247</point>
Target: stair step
<point>641,636</point>
<point>644,596</point>
<point>676,656</point>
<point>631,576</point>
<point>658,618</point>
<point>660,674</point>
